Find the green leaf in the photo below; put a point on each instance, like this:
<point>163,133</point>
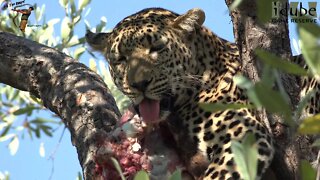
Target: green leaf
<point>316,143</point>
<point>3,125</point>
<point>83,3</point>
<point>82,40</point>
<point>141,175</point>
<point>6,137</point>
<point>235,4</point>
<point>279,63</point>
<point>310,46</point>
<point>19,128</point>
<point>7,127</point>
<point>118,168</point>
<point>246,84</point>
<point>73,41</point>
<point>14,95</point>
<point>214,107</point>
<point>39,12</point>
<point>30,132</point>
<point>264,8</point>
<point>5,175</point>
<point>268,76</point>
<point>37,132</point>
<point>310,125</point>
<point>87,24</point>
<point>273,101</point>
<point>52,22</point>
<point>36,100</point>
<point>46,129</point>
<point>103,22</point>
<point>104,72</point>
<point>78,52</point>
<point>243,82</point>
<point>40,120</point>
<point>79,177</point>
<point>261,95</point>
<point>76,19</point>
<point>42,151</point>
<point>43,7</point>
<point>307,172</point>
<point>26,110</point>
<point>63,3</point>
<point>92,65</point>
<point>14,145</point>
<point>65,29</point>
<point>73,6</point>
<point>7,104</point>
<point>9,92</point>
<point>176,175</point>
<point>246,157</point>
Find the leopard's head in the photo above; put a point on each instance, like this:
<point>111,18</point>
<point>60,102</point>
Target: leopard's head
<point>149,54</point>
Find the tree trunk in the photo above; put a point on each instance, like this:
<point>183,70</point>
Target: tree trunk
<point>68,88</point>
<point>250,34</point>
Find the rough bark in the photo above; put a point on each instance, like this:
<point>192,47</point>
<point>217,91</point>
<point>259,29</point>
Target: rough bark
<point>250,34</point>
<point>66,87</point>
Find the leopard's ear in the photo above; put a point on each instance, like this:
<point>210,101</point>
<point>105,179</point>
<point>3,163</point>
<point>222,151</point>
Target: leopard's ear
<point>98,41</point>
<point>190,20</point>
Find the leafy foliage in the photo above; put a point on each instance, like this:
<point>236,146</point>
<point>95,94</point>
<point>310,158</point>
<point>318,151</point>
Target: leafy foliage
<point>15,105</point>
<point>176,175</point>
<point>269,93</point>
<point>214,107</point>
<point>21,113</point>
<point>281,64</point>
<point>141,175</point>
<point>310,125</point>
<point>118,168</point>
<point>310,37</point>
<point>307,172</point>
<point>246,157</point>
<point>4,175</point>
<point>264,10</point>
<point>235,4</point>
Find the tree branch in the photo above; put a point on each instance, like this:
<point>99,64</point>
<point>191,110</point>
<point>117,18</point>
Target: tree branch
<point>250,34</point>
<point>68,88</point>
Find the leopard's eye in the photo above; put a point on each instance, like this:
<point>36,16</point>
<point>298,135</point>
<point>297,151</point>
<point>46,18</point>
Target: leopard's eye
<point>157,47</point>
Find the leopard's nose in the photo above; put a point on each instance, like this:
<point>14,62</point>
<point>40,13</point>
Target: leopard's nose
<point>141,85</point>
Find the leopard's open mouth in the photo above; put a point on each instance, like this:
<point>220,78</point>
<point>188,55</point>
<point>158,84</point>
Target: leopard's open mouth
<point>153,111</point>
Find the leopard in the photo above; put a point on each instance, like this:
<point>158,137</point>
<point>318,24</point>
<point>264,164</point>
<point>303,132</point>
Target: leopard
<point>309,87</point>
<point>169,65</point>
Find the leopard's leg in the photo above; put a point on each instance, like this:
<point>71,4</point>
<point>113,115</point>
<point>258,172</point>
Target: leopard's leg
<point>219,152</point>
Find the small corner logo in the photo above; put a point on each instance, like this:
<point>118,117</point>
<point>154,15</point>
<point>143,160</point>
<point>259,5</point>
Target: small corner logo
<point>297,10</point>
<point>20,7</point>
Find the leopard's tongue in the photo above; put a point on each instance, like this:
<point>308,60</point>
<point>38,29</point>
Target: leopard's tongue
<point>149,110</point>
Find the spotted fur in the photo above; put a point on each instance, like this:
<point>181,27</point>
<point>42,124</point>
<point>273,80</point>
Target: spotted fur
<point>309,85</point>
<point>156,53</point>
